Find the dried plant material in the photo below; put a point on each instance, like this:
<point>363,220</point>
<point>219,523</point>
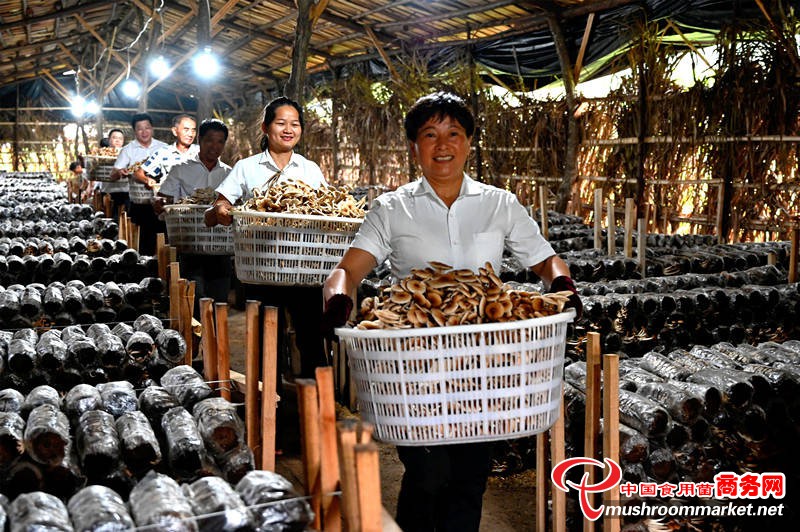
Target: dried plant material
<point>201,196</point>
<point>297,197</point>
<point>102,151</point>
<point>439,296</point>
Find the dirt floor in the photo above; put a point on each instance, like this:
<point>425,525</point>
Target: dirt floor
<point>508,505</point>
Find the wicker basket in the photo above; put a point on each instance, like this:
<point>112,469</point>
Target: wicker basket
<point>188,233</point>
<point>459,384</point>
<point>289,249</point>
<point>139,193</point>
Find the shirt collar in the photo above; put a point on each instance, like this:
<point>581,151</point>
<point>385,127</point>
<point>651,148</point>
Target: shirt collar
<point>196,159</point>
<point>469,187</point>
<point>266,159</point>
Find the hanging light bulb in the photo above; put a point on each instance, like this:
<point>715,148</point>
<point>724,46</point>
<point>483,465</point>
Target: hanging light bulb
<point>78,106</point>
<point>206,64</point>
<point>159,67</point>
<point>130,88</point>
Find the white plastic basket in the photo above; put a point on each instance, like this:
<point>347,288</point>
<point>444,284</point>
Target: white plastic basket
<point>102,173</point>
<point>459,384</point>
<point>139,193</point>
<point>289,249</point>
<point>188,233</point>
<point>101,167</point>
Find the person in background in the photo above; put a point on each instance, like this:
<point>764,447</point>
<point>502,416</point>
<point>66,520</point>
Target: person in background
<point>115,139</point>
<point>448,217</point>
<point>157,166</point>
<point>211,273</point>
<point>76,183</point>
<point>282,126</point>
<point>138,150</point>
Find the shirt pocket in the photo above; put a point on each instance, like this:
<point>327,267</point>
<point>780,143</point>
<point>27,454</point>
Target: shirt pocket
<point>488,246</point>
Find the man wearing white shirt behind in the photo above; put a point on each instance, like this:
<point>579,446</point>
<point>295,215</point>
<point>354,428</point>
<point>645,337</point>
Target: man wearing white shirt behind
<point>211,273</point>
<point>136,151</point>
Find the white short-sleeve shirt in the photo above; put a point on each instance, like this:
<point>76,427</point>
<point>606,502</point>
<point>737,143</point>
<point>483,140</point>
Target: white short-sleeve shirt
<point>131,153</point>
<point>412,227</point>
<point>163,159</point>
<point>190,175</point>
<point>256,170</point>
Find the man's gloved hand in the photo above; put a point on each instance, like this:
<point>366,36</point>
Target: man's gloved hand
<point>337,310</point>
<point>564,283</point>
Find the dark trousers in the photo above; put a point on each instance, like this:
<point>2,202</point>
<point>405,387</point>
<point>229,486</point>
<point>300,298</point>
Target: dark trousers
<point>442,487</point>
<point>145,217</point>
<point>119,199</point>
<point>211,274</point>
<point>304,305</point>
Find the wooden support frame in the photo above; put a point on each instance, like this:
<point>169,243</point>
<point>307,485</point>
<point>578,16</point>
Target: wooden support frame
<point>223,350</point>
<point>269,382</point>
<point>611,429</point>
<point>593,407</point>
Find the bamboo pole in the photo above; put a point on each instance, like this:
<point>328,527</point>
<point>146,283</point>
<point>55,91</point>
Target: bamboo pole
<point>223,351</point>
<point>598,218</point>
<point>209,341</point>
<point>251,378</point>
<point>611,429</point>
<point>592,420</point>
<point>720,210</point>
<point>347,438</point>
<point>793,254</point>
<point>269,393</point>
<point>174,295</point>
<point>557,455</point>
<point>329,461</point>
<point>187,313</point>
<point>542,482</point>
<point>611,224</point>
<point>135,236</point>
<point>630,217</point>
<point>543,210</point>
<point>308,407</point>
<point>369,487</point>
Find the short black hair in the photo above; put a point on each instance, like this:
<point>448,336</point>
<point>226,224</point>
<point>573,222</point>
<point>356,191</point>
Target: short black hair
<point>73,165</point>
<point>140,117</point>
<point>212,124</point>
<point>269,115</point>
<point>116,130</point>
<point>178,118</point>
<point>104,143</point>
<point>440,105</point>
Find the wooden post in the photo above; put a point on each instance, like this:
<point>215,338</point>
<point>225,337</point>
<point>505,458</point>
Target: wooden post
<point>557,455</point>
<point>793,253</point>
<point>329,460</point>
<point>209,342</point>
<point>251,357</point>
<point>641,243</point>
<point>630,218</point>
<point>347,436</point>
<point>123,233</point>
<point>369,487</point>
<point>161,243</point>
<point>542,482</point>
<point>598,218</point>
<point>107,205</point>
<point>187,313</point>
<point>772,259</point>
<point>174,296</point>
<point>269,393</point>
<point>223,351</point>
<point>611,224</point>
<point>543,209</point>
<point>135,236</point>
<point>592,421</point>
<point>180,326</point>
<point>611,429</point>
<point>720,211</point>
<point>308,406</point>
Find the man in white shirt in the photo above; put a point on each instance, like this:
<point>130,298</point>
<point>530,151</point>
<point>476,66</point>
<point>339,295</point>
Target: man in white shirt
<point>211,273</point>
<point>134,153</point>
<point>155,168</point>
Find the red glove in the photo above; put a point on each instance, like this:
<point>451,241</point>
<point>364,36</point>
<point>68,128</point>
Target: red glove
<point>565,283</point>
<point>337,310</point>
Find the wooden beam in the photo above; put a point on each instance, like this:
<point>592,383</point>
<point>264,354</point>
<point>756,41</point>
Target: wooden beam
<point>691,46</point>
<point>481,8</point>
<point>219,15</point>
<point>378,46</point>
<point>584,42</point>
<point>56,85</point>
<point>102,41</point>
<point>316,11</point>
<point>61,13</point>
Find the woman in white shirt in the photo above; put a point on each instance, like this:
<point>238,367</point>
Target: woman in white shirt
<point>447,217</point>
<point>282,127</point>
